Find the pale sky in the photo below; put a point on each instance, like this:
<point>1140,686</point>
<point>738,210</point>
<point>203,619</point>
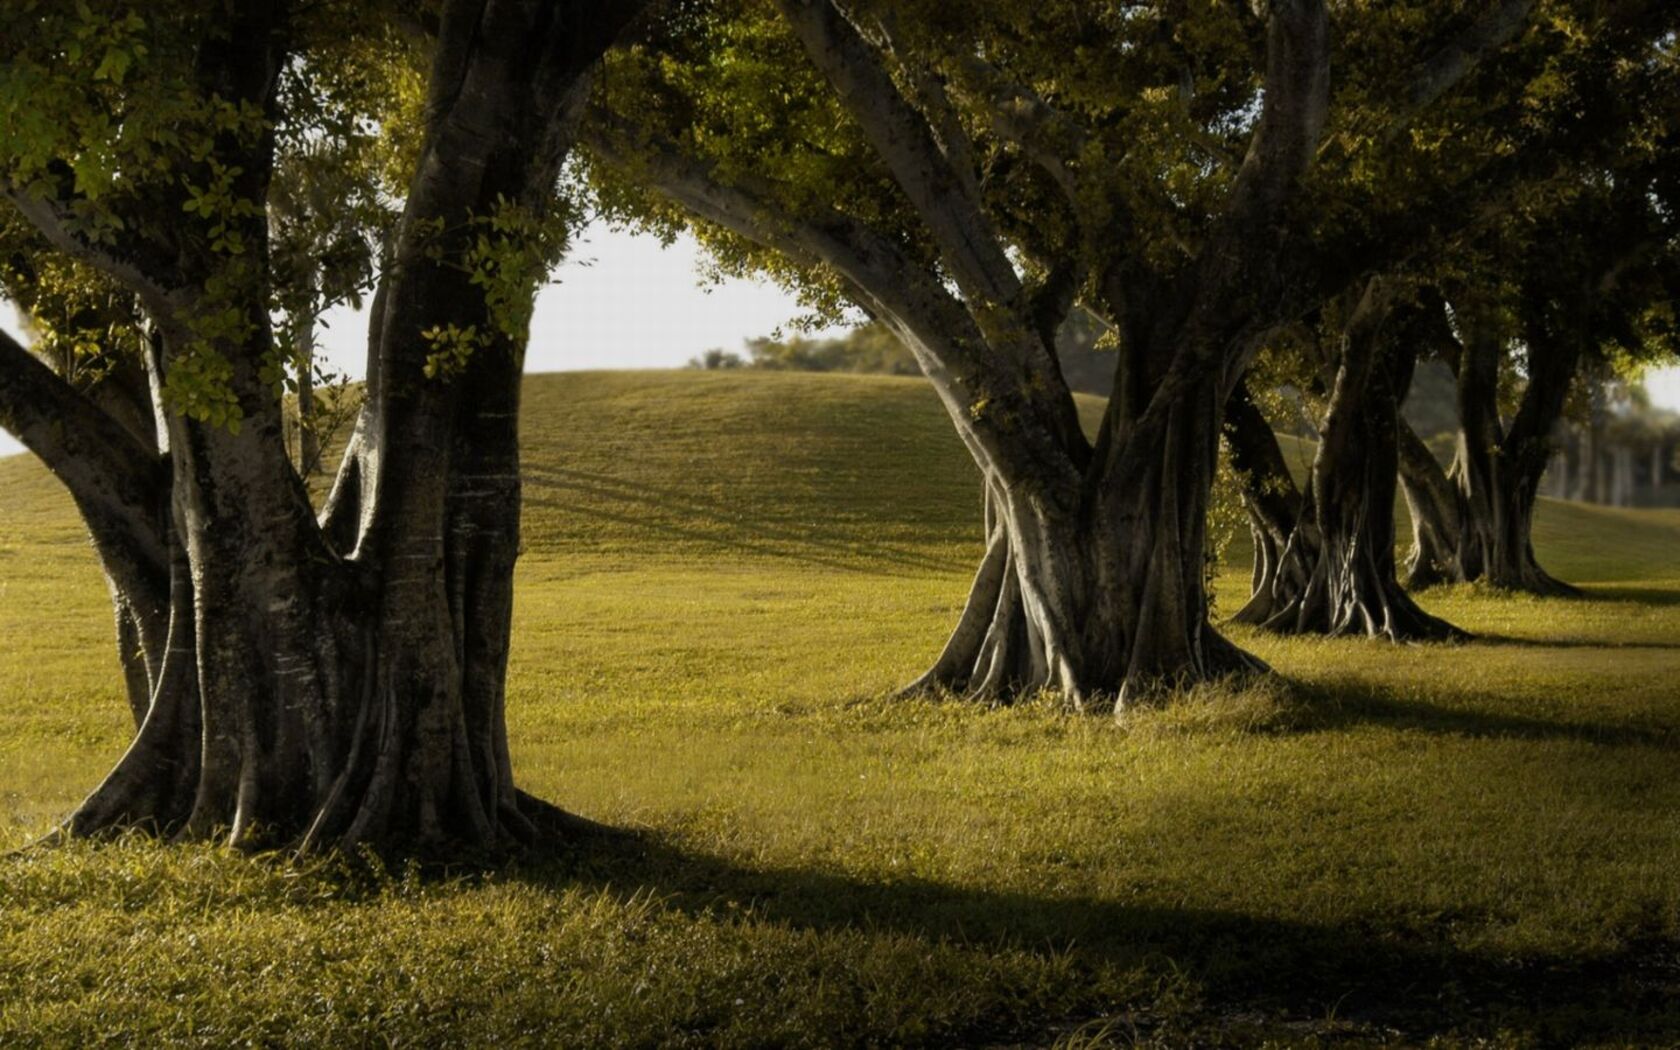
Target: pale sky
<point>623,301</point>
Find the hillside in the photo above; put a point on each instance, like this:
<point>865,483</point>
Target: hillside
<point>824,467</point>
<point>726,573</point>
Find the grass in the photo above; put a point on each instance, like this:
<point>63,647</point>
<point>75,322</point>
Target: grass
<point>725,575</point>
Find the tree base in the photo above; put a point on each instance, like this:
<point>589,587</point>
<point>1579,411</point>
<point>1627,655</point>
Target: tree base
<point>535,826</point>
<point>1380,612</point>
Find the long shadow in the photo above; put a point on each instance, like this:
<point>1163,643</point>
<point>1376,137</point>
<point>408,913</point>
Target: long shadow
<point>1641,595</point>
<point>759,534</point>
<point>1407,978</point>
<point>1323,707</point>
<point>1565,643</point>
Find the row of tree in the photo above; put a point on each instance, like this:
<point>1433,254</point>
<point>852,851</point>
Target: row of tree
<point>1232,196</point>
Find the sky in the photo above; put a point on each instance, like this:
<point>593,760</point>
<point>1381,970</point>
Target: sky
<point>622,300</point>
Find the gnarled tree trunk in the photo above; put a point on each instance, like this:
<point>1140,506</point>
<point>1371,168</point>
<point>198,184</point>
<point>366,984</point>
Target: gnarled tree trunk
<point>1476,520</point>
<point>337,683</point>
<point>1336,574</point>
<point>1498,470</point>
<point>1092,595</point>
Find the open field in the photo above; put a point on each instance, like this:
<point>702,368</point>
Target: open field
<point>719,591</point>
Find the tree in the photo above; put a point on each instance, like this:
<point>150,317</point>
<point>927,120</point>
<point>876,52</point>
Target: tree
<point>1324,558</point>
<point>1595,271</point>
<point>326,680</point>
<point>966,173</point>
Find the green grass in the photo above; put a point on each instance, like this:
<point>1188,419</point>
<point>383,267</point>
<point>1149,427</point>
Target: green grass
<point>725,575</point>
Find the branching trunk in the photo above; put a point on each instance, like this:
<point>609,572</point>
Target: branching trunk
<point>1337,572</point>
<point>1476,521</point>
<point>1271,499</point>
<point>336,684</point>
<point>1097,597</point>
<point>1498,471</point>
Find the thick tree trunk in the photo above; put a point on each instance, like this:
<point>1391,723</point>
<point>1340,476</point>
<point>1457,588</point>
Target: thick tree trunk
<point>1497,471</point>
<point>1474,522</point>
<point>1099,598</point>
<point>337,685</point>
<point>1338,570</point>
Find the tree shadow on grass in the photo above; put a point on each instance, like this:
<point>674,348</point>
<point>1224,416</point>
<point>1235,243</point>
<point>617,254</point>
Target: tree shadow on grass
<point>685,516</point>
<point>1254,977</point>
<point>1504,640</point>
<point>1316,707</point>
<point>1640,595</point>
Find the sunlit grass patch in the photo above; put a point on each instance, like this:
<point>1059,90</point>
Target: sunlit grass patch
<point>1468,842</point>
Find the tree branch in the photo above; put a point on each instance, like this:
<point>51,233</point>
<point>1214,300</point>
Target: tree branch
<point>118,484</point>
<point>935,101</point>
<point>134,266</point>
<point>1443,70</point>
<point>1292,115</point>
<point>984,398</point>
<point>904,141</point>
<point>1269,490</point>
<point>1022,116</point>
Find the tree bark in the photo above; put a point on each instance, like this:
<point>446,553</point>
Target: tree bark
<point>1096,598</point>
<point>1498,470</point>
<point>1271,499</point>
<point>1474,521</point>
<point>1337,572</point>
<point>1433,502</point>
<point>337,684</point>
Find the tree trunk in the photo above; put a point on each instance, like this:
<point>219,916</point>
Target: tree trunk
<point>1271,499</point>
<point>1498,471</point>
<point>1338,570</point>
<point>1099,598</point>
<point>1432,499</point>
<point>1475,522</point>
<point>340,684</point>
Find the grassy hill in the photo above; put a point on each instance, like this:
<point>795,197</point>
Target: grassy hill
<point>725,574</point>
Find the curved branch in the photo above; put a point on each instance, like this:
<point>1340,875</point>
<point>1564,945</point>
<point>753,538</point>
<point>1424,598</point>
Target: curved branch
<point>984,398</point>
<point>904,141</point>
<point>115,480</point>
<point>1443,70</point>
<point>133,265</point>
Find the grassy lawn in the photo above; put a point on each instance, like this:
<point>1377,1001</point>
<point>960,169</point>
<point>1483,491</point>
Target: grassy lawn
<point>725,576</point>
